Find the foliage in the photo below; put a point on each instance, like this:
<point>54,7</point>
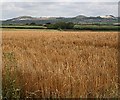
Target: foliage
<point>65,26</point>
<point>61,25</point>
<point>97,27</point>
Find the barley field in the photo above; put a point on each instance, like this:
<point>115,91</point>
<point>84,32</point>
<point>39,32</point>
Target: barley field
<point>59,64</point>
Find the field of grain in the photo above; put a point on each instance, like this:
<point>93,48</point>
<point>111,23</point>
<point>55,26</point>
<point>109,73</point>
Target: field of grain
<point>59,64</point>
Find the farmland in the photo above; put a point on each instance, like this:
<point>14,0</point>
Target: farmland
<point>59,64</point>
<point>75,27</point>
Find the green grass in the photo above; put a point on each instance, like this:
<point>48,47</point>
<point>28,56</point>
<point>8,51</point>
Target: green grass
<point>10,88</point>
<point>24,27</point>
<point>97,27</point>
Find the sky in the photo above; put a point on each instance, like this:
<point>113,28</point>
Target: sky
<point>61,8</point>
<point>59,0</point>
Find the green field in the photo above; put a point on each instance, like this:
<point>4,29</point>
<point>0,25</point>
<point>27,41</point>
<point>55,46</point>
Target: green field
<point>24,27</point>
<point>76,27</point>
<point>97,27</point>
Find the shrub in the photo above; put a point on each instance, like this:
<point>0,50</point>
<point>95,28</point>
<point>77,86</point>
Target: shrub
<point>32,23</point>
<point>61,25</point>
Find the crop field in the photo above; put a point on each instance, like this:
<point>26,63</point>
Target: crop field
<point>59,64</point>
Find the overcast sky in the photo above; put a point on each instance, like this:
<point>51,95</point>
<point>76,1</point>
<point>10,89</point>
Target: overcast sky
<point>59,0</point>
<point>67,8</point>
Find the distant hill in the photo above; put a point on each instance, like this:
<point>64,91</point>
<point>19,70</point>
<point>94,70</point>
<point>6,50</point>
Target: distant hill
<point>80,16</point>
<point>108,16</point>
<point>80,19</point>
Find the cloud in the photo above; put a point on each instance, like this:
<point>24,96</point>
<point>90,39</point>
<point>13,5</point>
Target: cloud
<point>60,1</point>
<point>38,9</point>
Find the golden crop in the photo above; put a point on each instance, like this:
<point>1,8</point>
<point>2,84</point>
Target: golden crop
<point>61,64</point>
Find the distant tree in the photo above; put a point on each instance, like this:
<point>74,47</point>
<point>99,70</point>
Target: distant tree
<point>10,24</point>
<point>40,24</point>
<point>70,25</point>
<point>32,23</point>
<point>48,23</point>
<point>27,24</point>
<point>61,25</point>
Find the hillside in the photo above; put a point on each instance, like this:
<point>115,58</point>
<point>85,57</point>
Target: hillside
<point>80,19</point>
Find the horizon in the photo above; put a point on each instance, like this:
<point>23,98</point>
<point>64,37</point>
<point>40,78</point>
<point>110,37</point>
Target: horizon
<point>52,16</point>
<point>57,9</point>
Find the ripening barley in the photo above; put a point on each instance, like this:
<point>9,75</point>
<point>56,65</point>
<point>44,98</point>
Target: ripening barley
<point>63,64</point>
